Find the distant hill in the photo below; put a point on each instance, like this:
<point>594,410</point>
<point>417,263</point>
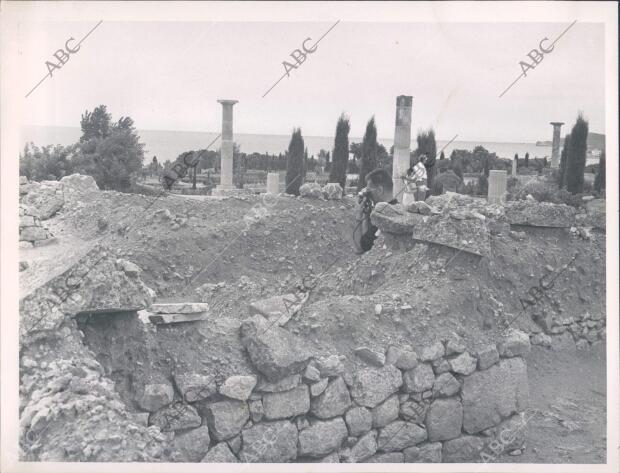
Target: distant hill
<point>595,141</point>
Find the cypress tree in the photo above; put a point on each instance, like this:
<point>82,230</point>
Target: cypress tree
<point>527,159</point>
<point>442,156</point>
<point>428,146</point>
<point>576,157</point>
<point>338,172</point>
<point>562,169</point>
<point>295,163</point>
<point>599,180</point>
<point>369,152</point>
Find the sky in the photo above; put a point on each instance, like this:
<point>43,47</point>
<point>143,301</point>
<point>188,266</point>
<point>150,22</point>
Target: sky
<point>169,76</point>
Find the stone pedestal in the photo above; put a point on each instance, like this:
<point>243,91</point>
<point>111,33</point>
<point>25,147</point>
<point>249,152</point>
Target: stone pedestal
<point>273,183</point>
<point>402,143</point>
<point>555,146</point>
<point>226,173</point>
<point>497,186</point>
<point>514,167</point>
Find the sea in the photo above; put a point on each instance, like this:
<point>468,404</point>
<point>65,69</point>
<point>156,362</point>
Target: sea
<point>168,144</point>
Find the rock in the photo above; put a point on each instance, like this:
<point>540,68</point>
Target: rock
<point>419,379</point>
<point>487,356</point>
<point>79,183</point>
<point>44,202</point>
<point>177,416</point>
<point>493,394</point>
<point>441,366</point>
<point>332,191</point>
<point>190,446</point>
<point>432,352</point>
<point>330,365</point>
<point>455,344</point>
<point>413,411</point>
<point>273,351</point>
<point>195,386</point>
<point>285,384</point>
<point>378,309</point>
<point>464,364</point>
<point>23,266</point>
<point>425,453</point>
<point>365,447</point>
<point>312,374</point>
<point>462,450</point>
<point>26,221</point>
<point>541,339</point>
<point>392,457</point>
<point>33,234</point>
<point>444,419</point>
<point>179,308</point>
<point>311,190</point>
<point>446,385</point>
<point>540,214</point>
<point>238,387</point>
<point>23,180</point>
<point>563,342</point>
<point>235,444</point>
<point>256,410</point>
<point>226,418</point>
<point>132,270</point>
<point>359,420</point>
<point>420,207</point>
<point>287,403</point>
<point>512,433</point>
<point>515,343</point>
<point>322,438</point>
<point>269,442</point>
<point>399,435</point>
<point>156,396</point>
<point>370,357</point>
<point>394,219</point>
<point>371,386</point>
<point>385,412</point>
<point>220,453</point>
<point>317,388</point>
<point>582,344</point>
<point>402,359</point>
<point>334,401</point>
<point>278,309</point>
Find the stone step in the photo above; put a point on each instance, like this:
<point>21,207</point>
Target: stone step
<point>179,307</point>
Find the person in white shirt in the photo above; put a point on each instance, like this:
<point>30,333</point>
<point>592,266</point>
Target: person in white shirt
<point>416,181</point>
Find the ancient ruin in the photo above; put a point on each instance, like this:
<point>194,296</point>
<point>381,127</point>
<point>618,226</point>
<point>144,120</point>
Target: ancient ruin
<point>555,145</point>
<point>402,143</point>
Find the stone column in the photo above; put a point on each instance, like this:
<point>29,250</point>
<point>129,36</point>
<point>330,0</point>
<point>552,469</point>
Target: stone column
<point>226,173</point>
<point>514,167</point>
<point>497,186</point>
<point>555,146</point>
<point>402,143</point>
<point>273,183</point>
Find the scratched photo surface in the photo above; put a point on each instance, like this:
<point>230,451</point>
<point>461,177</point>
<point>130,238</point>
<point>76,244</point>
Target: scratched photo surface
<point>312,241</point>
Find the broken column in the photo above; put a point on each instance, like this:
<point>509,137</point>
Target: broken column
<point>515,162</point>
<point>402,143</point>
<point>226,167</point>
<point>555,146</point>
<point>273,183</point>
<point>497,186</point>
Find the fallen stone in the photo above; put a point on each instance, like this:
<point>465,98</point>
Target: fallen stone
<point>446,385</point>
<point>33,234</point>
<point>392,457</point>
<point>156,396</point>
<point>540,214</point>
<point>334,401</point>
<point>220,453</point>
<point>399,435</point>
<point>444,419</point>
<point>487,357</point>
<point>322,438</point>
<point>278,309</point>
<point>432,352</point>
<point>79,183</point>
<point>425,453</point>
<point>515,343</point>
<point>311,190</point>
<point>330,365</point>
<point>454,344</point>
<point>238,387</point>
<point>541,339</point>
<point>371,386</point>
<point>365,447</point>
<point>401,358</point>
<point>359,420</point>
<point>179,308</point>
<point>177,416</point>
<point>464,364</point>
<point>394,219</point>
<point>318,387</point>
<point>385,412</point>
<point>312,374</point>
<point>273,351</point>
<point>269,442</point>
<point>226,418</point>
<point>287,403</point>
<point>44,202</point>
<point>419,379</point>
<point>467,235</point>
<point>332,191</point>
<point>195,386</point>
<point>285,384</point>
<point>370,357</point>
<point>190,446</point>
<point>462,450</point>
<point>420,207</point>
<point>493,394</point>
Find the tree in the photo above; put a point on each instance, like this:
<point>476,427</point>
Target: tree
<point>458,169</point>
<point>294,162</point>
<point>97,124</point>
<point>369,152</point>
<point>485,168</point>
<point>442,156</point>
<point>563,156</point>
<point>47,163</point>
<point>527,160</point>
<point>154,166</point>
<point>338,172</point>
<point>599,180</point>
<point>576,157</point>
<point>428,146</point>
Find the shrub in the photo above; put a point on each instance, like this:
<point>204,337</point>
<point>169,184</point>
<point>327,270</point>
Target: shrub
<point>599,180</point>
<point>294,163</point>
<point>369,153</point>
<point>576,156</point>
<point>338,172</point>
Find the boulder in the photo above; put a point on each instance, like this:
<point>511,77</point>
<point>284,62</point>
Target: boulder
<point>371,386</point>
<point>394,219</point>
<point>322,438</point>
<point>444,420</point>
<point>332,191</point>
<point>446,385</point>
<point>399,435</point>
<point>311,190</point>
<point>220,453</point>
<point>269,442</point>
<point>79,183</point>
<point>432,352</point>
<point>287,403</point>
<point>190,446</point>
<point>419,379</point>
<point>424,453</point>
<point>515,343</point>
<point>401,358</point>
<point>33,234</point>
<point>238,387</point>
<point>285,384</point>
<point>44,201</point>
<point>317,388</point>
<point>359,420</point>
<point>177,416</point>
<point>464,364</point>
<point>312,374</point>
<point>330,365</point>
<point>195,386</point>
<point>441,366</point>
<point>487,356</point>
<point>464,449</point>
<point>385,412</point>
<point>273,351</point>
<point>156,396</point>
<point>493,394</point>
<point>278,309</point>
<point>226,418</point>
<point>371,357</point>
<point>454,344</point>
<point>334,401</point>
<point>365,447</point>
<point>540,214</point>
<point>413,411</point>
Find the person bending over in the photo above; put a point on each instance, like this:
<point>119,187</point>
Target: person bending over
<point>379,188</point>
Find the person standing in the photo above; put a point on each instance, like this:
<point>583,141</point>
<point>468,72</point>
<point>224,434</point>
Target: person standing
<point>416,182</point>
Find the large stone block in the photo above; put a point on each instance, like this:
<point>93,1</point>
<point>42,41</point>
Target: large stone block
<point>190,446</point>
<point>365,447</point>
<point>195,386</point>
<point>238,387</point>
<point>278,309</point>
<point>79,183</point>
<point>269,442</point>
<point>33,234</point>
<point>464,449</point>
<point>332,191</point>
<point>493,394</point>
<point>419,379</point>
<point>226,418</point>
<point>385,412</point>
<point>359,420</point>
<point>287,403</point>
<point>540,214</point>
<point>461,231</point>
<point>177,416</point>
<point>179,307</point>
<point>444,420</point>
<point>515,343</point>
<point>371,386</point>
<point>322,438</point>
<point>220,453</point>
<point>273,351</point>
<point>334,401</point>
<point>399,435</point>
<point>311,190</point>
<point>394,219</point>
<point>156,396</point>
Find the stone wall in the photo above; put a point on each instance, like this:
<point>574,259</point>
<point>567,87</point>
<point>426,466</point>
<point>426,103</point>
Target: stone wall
<point>583,330</point>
